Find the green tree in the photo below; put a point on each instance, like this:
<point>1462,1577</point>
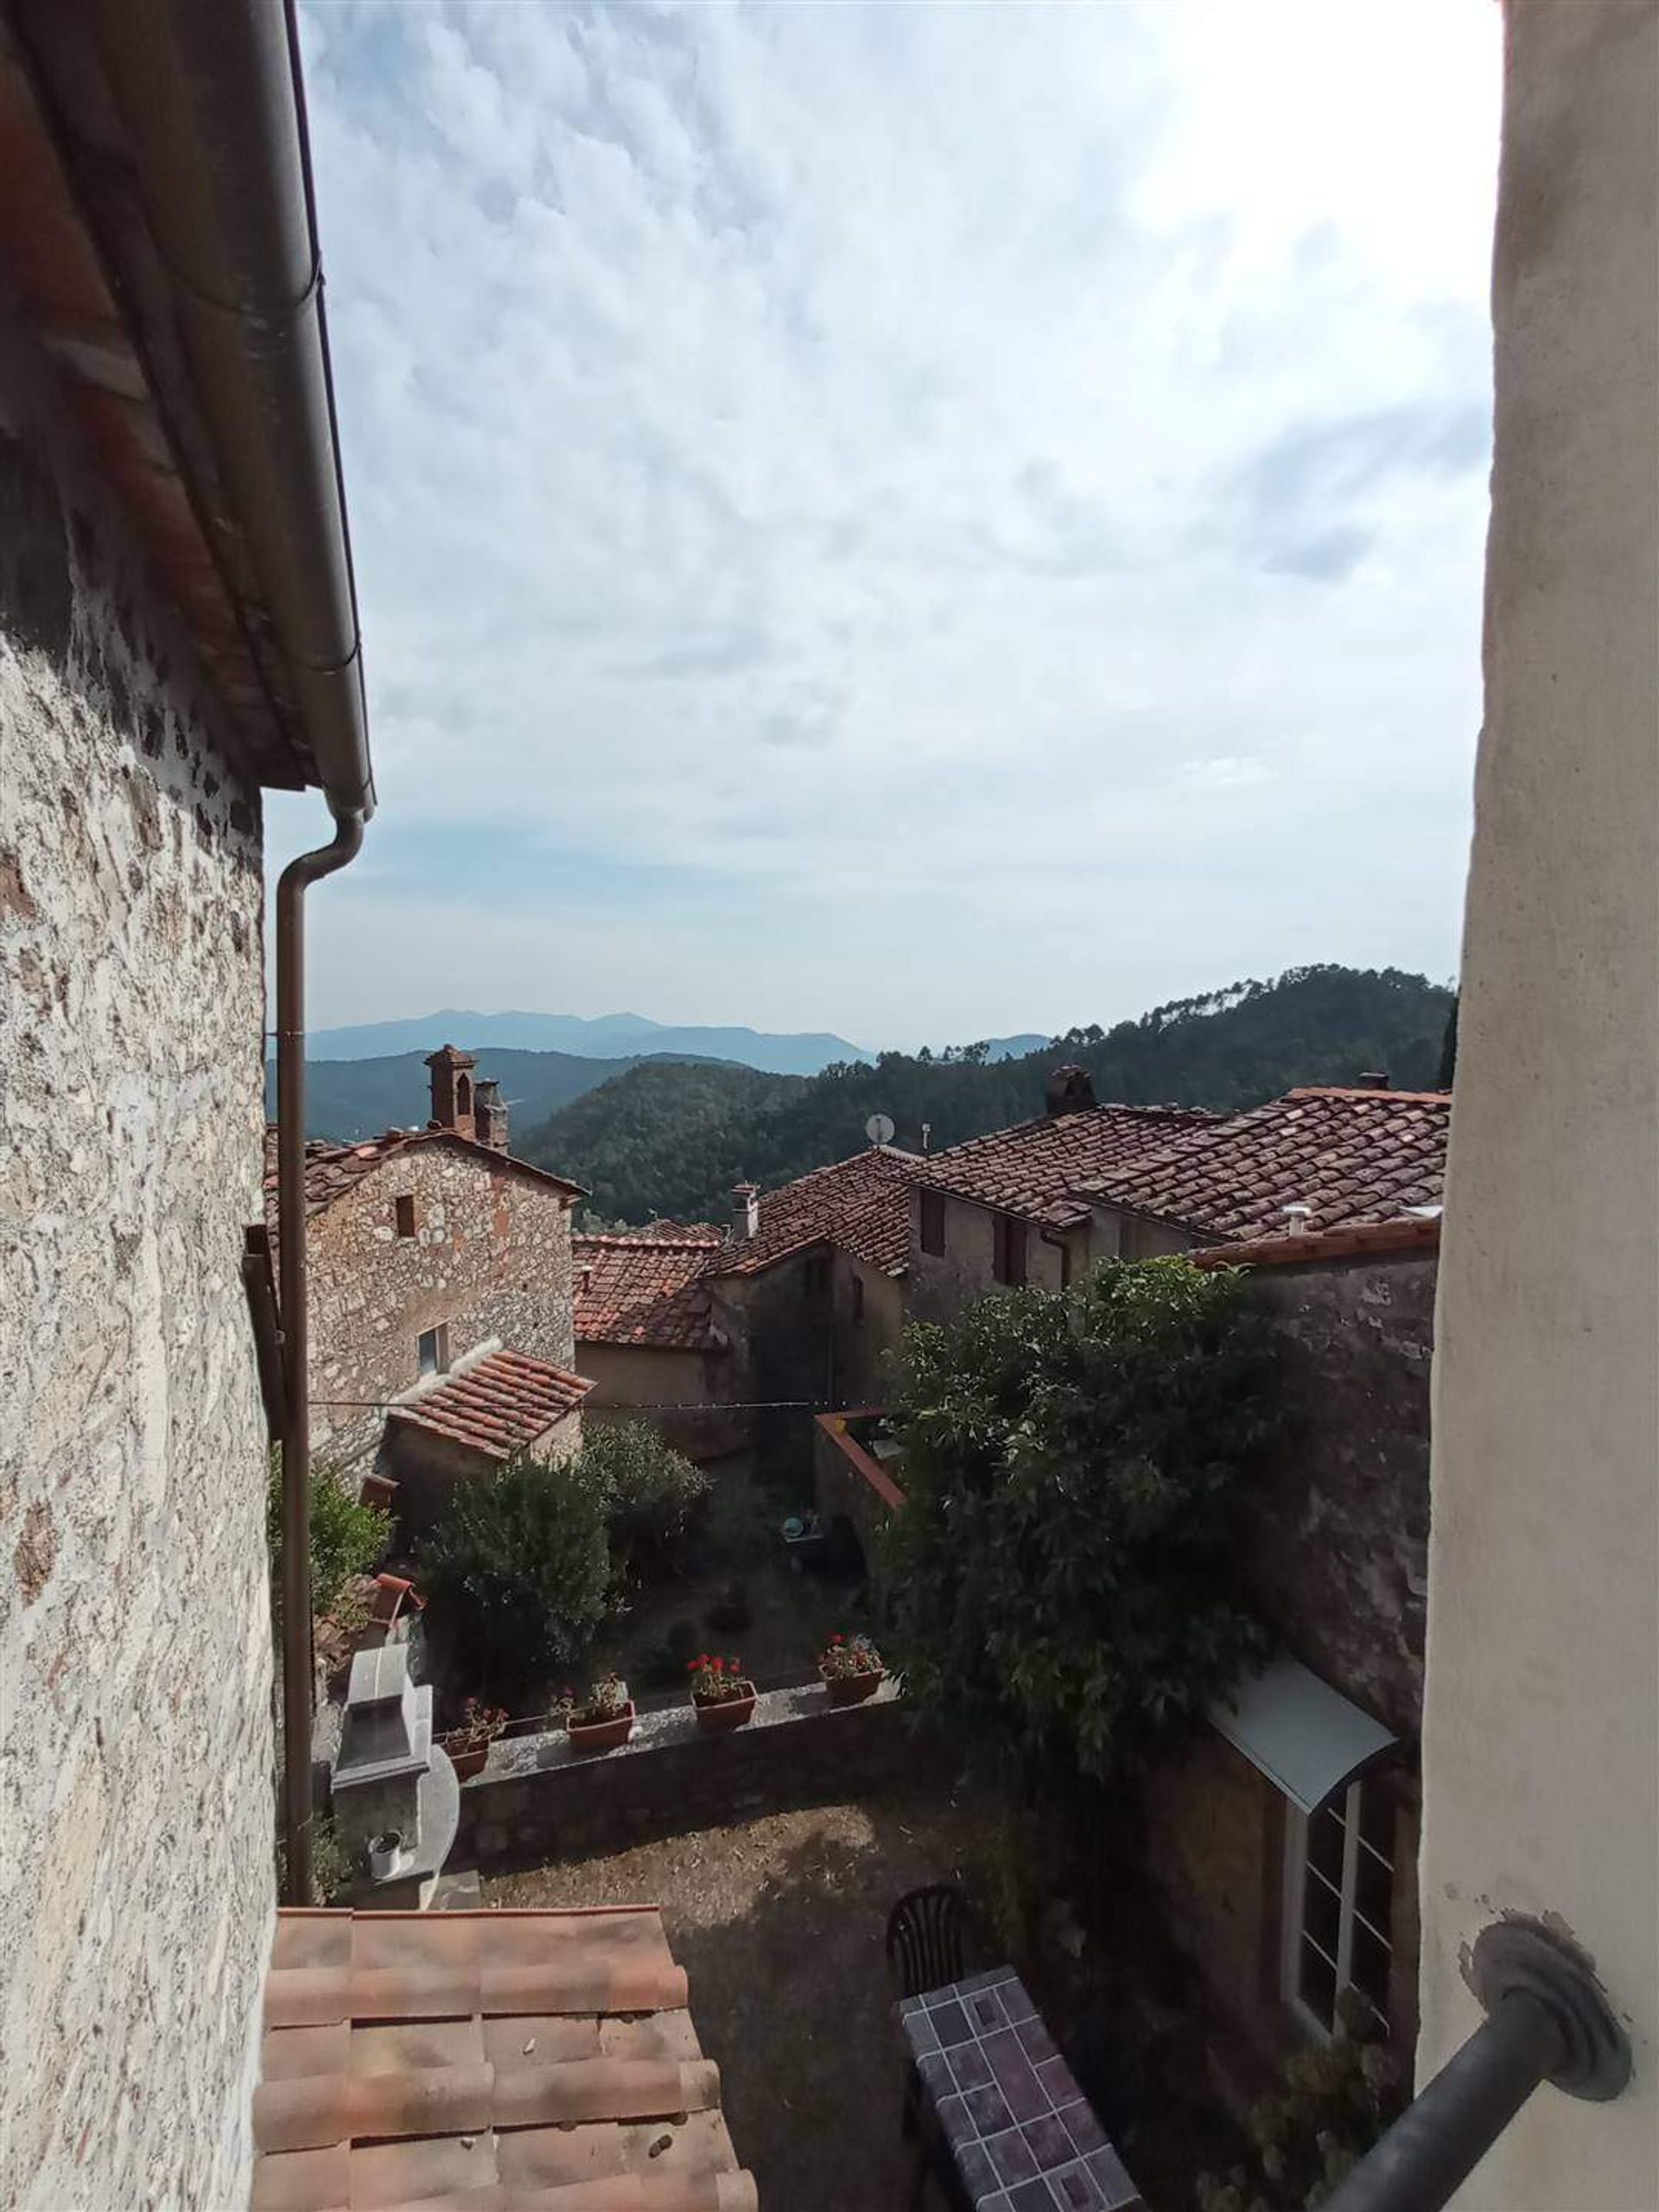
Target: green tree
<point>654,1495</point>
<point>520,1565</point>
<point>1060,1568</point>
<point>347,1537</point>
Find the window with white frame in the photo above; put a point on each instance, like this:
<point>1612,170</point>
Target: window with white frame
<point>432,1349</point>
<point>1338,1884</point>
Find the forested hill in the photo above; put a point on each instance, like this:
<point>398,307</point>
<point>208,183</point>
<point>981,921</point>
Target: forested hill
<point>664,1140</point>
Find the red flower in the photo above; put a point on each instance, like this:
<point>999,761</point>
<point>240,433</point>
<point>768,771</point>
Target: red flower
<point>719,1666</point>
<point>736,1666</point>
<point>838,1638</point>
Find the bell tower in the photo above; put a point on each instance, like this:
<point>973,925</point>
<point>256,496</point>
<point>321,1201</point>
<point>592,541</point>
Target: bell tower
<point>452,1090</point>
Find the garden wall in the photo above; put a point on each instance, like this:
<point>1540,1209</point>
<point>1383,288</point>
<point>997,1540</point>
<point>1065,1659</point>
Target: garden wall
<point>536,1801</point>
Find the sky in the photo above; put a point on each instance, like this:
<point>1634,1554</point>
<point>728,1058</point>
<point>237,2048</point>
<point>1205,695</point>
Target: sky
<point>923,521</point>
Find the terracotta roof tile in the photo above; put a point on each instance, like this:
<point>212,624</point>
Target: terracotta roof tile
<point>1034,1168</point>
<point>1363,1240</point>
<point>649,1289</point>
<point>430,2084</point>
<point>1348,1156</point>
<point>498,1406</point>
<point>862,1204</point>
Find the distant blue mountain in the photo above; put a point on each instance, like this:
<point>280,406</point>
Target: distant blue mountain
<point>1015,1048</point>
<point>605,1037</point>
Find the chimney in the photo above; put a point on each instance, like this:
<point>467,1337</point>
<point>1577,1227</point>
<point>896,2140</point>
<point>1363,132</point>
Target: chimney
<point>490,1115</point>
<point>746,1211</point>
<point>1373,1079</point>
<point>452,1090</point>
<point>1297,1218</point>
<point>1070,1091</point>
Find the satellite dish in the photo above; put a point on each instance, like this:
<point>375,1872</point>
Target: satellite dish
<point>879,1128</point>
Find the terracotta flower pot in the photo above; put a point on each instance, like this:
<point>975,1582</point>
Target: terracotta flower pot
<point>718,1716</point>
<point>468,1762</point>
<point>853,1690</point>
<point>602,1735</point>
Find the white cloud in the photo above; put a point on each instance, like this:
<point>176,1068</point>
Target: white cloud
<point>999,482</point>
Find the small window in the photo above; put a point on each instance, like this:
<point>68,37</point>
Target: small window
<point>432,1349</point>
<point>1008,1249</point>
<point>858,1301</point>
<point>932,1223</point>
<point>1338,1885</point>
<point>815,1278</point>
<point>404,1210</point>
<point>463,1095</point>
<point>1065,1266</point>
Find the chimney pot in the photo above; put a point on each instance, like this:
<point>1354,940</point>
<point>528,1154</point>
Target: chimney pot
<point>746,1211</point>
<point>1298,1219</point>
<point>1069,1090</point>
<point>490,1115</point>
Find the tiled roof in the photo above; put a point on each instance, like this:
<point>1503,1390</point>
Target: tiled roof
<point>862,1204</point>
<point>1034,1168</point>
<point>645,1290</point>
<point>1348,1156</point>
<point>1363,1240</point>
<point>504,1402</point>
<point>498,2062</point>
<point>332,1169</point>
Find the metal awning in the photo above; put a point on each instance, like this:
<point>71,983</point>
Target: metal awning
<point>1308,1739</point>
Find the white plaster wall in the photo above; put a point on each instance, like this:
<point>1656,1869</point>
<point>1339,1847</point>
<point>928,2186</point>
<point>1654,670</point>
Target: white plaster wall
<point>1542,1728</point>
<point>137,1891</point>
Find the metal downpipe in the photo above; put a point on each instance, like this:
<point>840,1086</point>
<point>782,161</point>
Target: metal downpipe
<point>295,881</point>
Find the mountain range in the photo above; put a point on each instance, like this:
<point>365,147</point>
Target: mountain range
<point>618,1037</point>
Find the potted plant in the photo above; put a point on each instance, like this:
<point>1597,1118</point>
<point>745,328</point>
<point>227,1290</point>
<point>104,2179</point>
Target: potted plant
<point>468,1745</point>
<point>852,1669</point>
<point>603,1719</point>
<point>722,1697</point>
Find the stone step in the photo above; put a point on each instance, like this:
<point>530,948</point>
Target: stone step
<point>458,1892</point>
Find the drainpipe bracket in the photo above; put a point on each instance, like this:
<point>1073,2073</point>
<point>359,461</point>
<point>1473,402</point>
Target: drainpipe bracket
<point>1523,1957</point>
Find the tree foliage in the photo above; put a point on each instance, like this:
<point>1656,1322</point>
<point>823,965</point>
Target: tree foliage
<point>671,1140</point>
<point>347,1537</point>
<point>521,1565</point>
<point>1060,1566</point>
<point>652,1494</point>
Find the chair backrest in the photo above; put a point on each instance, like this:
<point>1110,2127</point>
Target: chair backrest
<point>929,1932</point>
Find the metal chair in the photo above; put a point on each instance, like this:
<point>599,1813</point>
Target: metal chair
<point>931,1933</point>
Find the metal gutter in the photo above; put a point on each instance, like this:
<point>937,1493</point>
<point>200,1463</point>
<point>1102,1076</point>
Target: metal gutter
<point>295,881</point>
<point>210,99</point>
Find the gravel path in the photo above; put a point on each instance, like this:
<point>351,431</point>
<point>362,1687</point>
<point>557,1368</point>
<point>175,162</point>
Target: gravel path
<point>778,1921</point>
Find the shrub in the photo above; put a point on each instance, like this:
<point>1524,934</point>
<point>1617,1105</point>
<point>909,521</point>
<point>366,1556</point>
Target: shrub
<point>654,1495</point>
<point>1061,1593</point>
<point>347,1537</point>
<point>520,1563</point>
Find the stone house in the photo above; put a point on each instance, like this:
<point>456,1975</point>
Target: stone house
<point>1003,1210</point>
<point>429,1249</point>
<point>794,1309</point>
<point>1322,1157</point>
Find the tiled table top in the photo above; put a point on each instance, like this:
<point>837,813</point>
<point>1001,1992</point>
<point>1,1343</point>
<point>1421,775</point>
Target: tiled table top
<point>1020,2132</point>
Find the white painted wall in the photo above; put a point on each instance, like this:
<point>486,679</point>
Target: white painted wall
<point>1542,1731</point>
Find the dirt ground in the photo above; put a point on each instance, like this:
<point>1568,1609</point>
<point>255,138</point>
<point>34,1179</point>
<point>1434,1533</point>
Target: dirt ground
<point>780,1921</point>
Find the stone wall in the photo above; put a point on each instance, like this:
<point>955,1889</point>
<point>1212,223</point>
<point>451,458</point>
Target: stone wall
<point>938,1285</point>
<point>635,1379</point>
<point>427,1468</point>
<point>868,1321</point>
<point>534,1801</point>
<point>1335,1547</point>
<point>137,1896</point>
<point>490,1258</point>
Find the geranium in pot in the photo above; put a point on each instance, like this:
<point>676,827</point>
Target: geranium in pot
<point>603,1719</point>
<point>722,1697</point>
<point>468,1745</point>
<point>852,1669</point>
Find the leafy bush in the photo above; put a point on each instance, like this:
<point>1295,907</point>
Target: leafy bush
<point>1332,2105</point>
<point>654,1495</point>
<point>520,1564</point>
<point>1060,1572</point>
<point>347,1537</point>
